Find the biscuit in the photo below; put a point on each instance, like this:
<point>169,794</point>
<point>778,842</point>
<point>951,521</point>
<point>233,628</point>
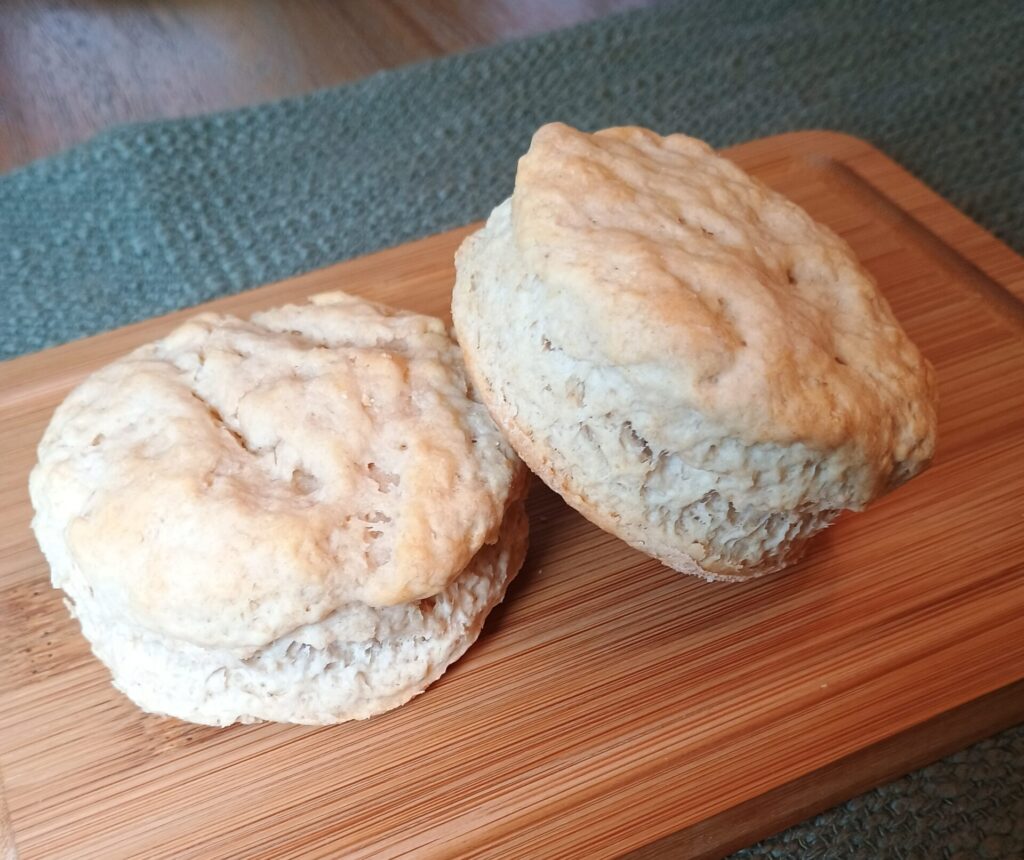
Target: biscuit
<point>303,517</point>
<point>684,354</point>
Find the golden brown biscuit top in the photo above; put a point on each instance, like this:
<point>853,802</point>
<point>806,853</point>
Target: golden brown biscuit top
<point>237,479</point>
<point>719,294</point>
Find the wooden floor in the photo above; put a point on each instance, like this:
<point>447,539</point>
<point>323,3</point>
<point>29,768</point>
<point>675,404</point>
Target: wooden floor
<point>70,69</point>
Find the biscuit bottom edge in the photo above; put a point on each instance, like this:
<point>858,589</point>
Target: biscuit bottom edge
<point>318,674</point>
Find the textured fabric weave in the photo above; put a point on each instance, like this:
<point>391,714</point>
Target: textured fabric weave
<point>965,807</point>
<point>150,218</point>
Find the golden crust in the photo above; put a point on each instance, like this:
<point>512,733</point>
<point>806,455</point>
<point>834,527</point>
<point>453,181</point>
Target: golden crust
<point>237,480</point>
<point>760,318</point>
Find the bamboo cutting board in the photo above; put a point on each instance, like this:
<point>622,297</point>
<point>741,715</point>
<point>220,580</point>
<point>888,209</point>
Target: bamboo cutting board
<point>610,705</point>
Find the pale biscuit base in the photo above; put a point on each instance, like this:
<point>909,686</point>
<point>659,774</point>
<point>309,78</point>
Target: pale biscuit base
<point>357,662</point>
<point>546,463</point>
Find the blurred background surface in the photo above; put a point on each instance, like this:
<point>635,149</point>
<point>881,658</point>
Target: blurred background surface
<point>71,69</point>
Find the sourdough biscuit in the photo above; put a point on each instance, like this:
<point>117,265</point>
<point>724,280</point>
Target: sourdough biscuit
<point>304,517</point>
<point>685,355</point>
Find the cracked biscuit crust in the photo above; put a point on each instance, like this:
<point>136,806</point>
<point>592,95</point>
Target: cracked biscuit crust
<point>684,354</point>
<point>237,480</point>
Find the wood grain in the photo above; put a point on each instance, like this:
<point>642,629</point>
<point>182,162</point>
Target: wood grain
<point>69,70</point>
<point>610,704</point>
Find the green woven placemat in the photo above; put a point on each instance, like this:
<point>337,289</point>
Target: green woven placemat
<point>149,218</point>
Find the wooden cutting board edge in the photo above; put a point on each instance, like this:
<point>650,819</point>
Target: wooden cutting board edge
<point>802,799</point>
<point>987,266</point>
